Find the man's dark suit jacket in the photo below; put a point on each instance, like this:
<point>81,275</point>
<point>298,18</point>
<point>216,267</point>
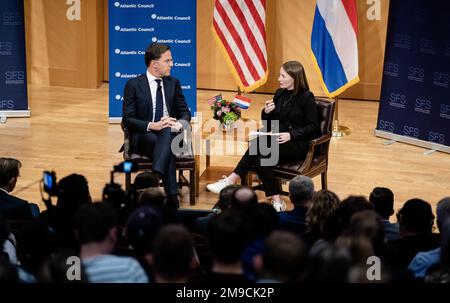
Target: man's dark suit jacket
<point>138,105</point>
<point>14,208</point>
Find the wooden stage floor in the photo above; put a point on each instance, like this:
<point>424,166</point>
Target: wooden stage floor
<point>68,132</point>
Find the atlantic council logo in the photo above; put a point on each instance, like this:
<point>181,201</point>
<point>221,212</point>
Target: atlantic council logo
<point>171,41</point>
<point>118,28</point>
<point>125,76</point>
<point>170,18</point>
<point>121,52</point>
<point>117,4</point>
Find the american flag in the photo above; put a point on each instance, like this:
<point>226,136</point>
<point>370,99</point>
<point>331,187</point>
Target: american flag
<point>240,30</point>
<point>214,99</point>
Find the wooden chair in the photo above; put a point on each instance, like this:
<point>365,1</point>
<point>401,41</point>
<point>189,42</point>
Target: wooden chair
<point>316,161</point>
<point>184,162</point>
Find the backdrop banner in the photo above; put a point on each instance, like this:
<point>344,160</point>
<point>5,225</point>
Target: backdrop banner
<point>415,94</point>
<point>13,70</point>
<point>133,25</point>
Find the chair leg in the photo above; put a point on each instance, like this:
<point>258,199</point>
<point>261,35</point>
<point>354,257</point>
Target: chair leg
<point>127,182</point>
<point>324,180</point>
<point>192,187</point>
<point>180,180</point>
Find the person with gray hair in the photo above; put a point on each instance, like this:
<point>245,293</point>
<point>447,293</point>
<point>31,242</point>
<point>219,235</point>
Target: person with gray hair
<point>301,192</point>
<point>424,260</point>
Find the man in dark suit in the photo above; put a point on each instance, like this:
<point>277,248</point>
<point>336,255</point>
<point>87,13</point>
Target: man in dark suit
<point>11,207</point>
<point>154,111</point>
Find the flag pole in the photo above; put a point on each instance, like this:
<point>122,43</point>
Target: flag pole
<point>339,130</point>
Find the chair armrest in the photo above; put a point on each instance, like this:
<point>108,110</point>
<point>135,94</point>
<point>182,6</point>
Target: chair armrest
<point>126,143</point>
<point>312,147</point>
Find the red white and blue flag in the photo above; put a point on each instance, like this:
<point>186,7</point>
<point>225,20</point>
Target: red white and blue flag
<point>239,27</point>
<point>334,44</point>
<point>214,99</point>
<point>242,102</point>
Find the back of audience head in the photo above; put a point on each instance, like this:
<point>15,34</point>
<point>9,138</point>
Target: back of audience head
<point>322,207</point>
<point>382,199</point>
<point>73,191</point>
<point>96,223</point>
<point>173,254</point>
<point>244,199</point>
<point>9,172</point>
<point>301,190</point>
<point>34,246</point>
<point>225,196</point>
<point>227,236</point>
<point>368,224</point>
<point>145,180</point>
<point>415,217</point>
<point>351,206</point>
<point>142,227</point>
<point>153,197</point>
<point>283,258</point>
<point>327,263</point>
<point>442,211</point>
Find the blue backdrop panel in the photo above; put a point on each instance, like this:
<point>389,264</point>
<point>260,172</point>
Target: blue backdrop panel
<point>415,93</point>
<point>13,71</point>
<point>133,25</point>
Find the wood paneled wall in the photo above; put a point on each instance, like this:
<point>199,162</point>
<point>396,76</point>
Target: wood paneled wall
<point>59,50</point>
<point>63,52</point>
<point>289,24</point>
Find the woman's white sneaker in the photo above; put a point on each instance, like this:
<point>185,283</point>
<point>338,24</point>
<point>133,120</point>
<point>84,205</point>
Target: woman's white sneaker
<point>219,185</point>
<point>279,205</point>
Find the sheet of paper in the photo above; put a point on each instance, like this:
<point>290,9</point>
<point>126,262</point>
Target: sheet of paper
<point>256,133</point>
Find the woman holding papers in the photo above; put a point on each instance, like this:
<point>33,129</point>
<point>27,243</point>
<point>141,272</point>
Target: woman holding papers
<point>294,109</point>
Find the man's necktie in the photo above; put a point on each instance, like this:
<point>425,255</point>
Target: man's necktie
<point>159,102</point>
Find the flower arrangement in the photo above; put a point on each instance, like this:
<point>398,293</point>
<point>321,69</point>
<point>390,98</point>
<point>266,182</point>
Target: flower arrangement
<point>224,111</point>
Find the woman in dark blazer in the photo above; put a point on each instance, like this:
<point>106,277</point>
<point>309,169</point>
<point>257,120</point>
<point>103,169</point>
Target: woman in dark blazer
<point>295,110</point>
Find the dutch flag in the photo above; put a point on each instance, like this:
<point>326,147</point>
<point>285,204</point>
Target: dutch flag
<point>334,44</point>
<point>241,101</point>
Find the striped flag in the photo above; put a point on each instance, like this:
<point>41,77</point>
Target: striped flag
<point>214,99</point>
<point>242,102</point>
<point>239,27</point>
<point>334,44</point>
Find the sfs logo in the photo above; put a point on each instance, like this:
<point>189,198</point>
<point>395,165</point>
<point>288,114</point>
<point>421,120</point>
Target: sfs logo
<point>386,125</point>
<point>391,67</point>
<point>411,131</point>
<point>445,108</point>
<point>416,73</point>
<point>5,46</point>
<point>395,98</point>
<point>441,79</point>
<point>12,18</point>
<point>14,75</point>
<point>423,104</point>
<point>436,137</point>
<point>6,104</point>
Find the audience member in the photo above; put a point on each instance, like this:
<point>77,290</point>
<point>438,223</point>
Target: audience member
<point>173,255</point>
<point>13,208</point>
<point>96,228</point>
<point>301,192</point>
<point>282,260</point>
<point>59,269</point>
<point>382,200</point>
<point>416,223</point>
<point>320,215</point>
<point>425,260</point>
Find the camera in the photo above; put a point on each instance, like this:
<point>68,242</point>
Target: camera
<point>50,184</point>
<point>125,167</point>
